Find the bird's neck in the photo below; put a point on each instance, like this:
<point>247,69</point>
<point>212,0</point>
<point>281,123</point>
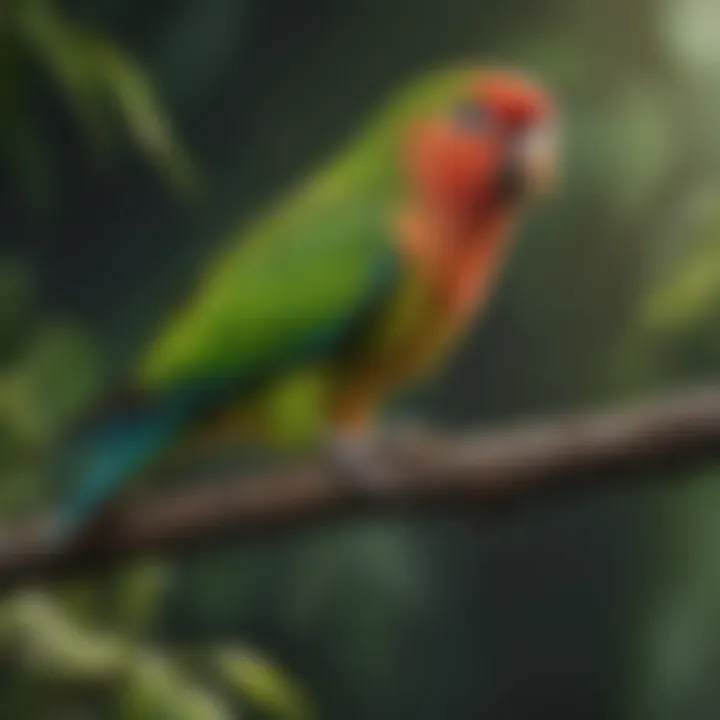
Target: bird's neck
<point>459,256</point>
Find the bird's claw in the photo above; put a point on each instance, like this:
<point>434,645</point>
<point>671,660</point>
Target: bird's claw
<point>360,462</point>
<point>408,445</point>
<point>374,462</point>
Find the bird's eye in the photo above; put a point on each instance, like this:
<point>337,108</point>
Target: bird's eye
<point>471,116</point>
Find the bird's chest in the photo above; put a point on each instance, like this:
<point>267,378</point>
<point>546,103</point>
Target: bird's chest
<point>406,340</point>
<point>444,283</point>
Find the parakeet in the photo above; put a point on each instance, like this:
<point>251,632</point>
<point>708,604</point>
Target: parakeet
<point>350,289</point>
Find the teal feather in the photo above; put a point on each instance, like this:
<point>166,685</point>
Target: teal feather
<point>107,455</point>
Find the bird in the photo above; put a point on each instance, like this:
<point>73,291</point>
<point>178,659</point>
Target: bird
<point>350,289</point>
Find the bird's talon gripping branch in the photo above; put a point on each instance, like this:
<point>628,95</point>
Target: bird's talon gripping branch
<point>408,444</point>
<point>360,461</point>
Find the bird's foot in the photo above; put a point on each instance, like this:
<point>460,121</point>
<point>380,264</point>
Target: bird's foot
<point>374,462</point>
<point>360,461</point>
<point>408,445</point>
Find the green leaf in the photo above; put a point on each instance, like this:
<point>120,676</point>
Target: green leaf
<point>685,295</point>
<point>131,92</point>
<point>263,685</point>
<point>104,87</point>
<point>61,51</point>
<point>137,592</point>
<point>157,690</point>
<point>49,645</point>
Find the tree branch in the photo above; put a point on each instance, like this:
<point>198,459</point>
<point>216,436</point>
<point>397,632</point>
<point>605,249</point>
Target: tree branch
<point>477,472</point>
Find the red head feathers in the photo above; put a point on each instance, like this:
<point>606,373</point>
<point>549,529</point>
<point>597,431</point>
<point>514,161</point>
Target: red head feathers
<point>497,146</point>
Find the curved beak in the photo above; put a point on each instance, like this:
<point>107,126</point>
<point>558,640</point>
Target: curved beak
<point>539,150</point>
<point>530,168</point>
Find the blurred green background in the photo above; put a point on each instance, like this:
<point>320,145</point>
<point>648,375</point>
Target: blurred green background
<point>135,135</point>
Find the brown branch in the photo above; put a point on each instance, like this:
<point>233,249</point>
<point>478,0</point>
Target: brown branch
<point>478,473</point>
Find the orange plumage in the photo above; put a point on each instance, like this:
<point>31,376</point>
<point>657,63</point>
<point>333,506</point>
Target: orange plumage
<point>467,178</point>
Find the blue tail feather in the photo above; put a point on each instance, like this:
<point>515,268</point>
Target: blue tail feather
<point>110,453</point>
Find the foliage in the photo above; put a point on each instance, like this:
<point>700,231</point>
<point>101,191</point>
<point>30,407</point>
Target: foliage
<point>683,297</point>
<point>48,370</point>
<point>100,84</point>
<point>265,686</point>
<point>48,645</point>
<point>674,337</point>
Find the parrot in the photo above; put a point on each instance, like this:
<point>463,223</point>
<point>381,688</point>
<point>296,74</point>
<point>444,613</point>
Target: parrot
<point>353,287</point>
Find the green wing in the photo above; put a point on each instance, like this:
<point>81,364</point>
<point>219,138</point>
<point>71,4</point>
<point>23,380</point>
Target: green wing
<point>291,290</point>
<point>290,286</point>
